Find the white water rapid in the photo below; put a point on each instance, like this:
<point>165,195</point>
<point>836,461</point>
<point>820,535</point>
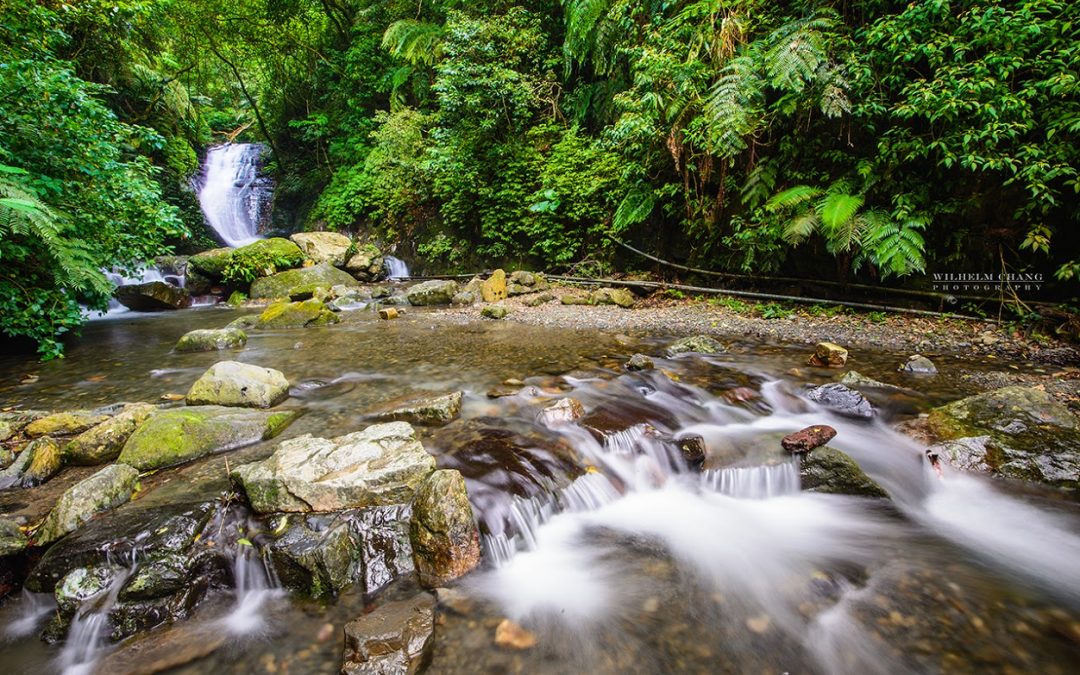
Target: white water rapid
<point>231,193</point>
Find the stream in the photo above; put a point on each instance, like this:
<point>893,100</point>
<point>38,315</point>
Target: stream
<point>596,536</point>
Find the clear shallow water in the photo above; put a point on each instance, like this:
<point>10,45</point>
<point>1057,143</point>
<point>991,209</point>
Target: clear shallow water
<point>604,544</point>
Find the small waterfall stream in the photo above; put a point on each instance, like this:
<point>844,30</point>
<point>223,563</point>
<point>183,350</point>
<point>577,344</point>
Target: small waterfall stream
<point>232,195</point>
<point>395,268</point>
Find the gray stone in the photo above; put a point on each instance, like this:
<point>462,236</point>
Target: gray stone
<point>640,362</point>
<point>366,264</point>
<point>383,464</point>
<point>434,410</point>
<point>919,365</point>
<point>301,281</point>
<point>207,340</point>
<point>435,292</point>
<point>613,296</point>
<point>831,471</point>
<point>397,638</point>
<point>841,400</point>
<point>231,383</point>
<point>153,296</point>
<point>12,539</point>
<point>102,491</point>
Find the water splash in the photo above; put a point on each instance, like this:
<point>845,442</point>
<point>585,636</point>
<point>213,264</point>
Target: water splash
<point>31,609</point>
<point>256,591</point>
<point>231,195</point>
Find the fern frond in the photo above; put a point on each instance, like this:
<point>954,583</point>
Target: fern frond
<point>792,197</point>
<point>417,42</point>
<point>801,227</point>
<point>733,107</point>
<point>838,208</point>
<point>634,208</point>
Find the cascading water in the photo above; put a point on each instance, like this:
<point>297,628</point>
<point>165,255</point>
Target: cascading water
<point>232,195</point>
<point>395,267</point>
<point>255,591</point>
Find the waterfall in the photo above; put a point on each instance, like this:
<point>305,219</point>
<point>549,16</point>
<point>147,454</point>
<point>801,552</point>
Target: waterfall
<point>232,195</point>
<point>395,268</point>
<point>255,589</point>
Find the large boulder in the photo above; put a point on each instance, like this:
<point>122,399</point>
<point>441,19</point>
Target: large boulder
<point>841,400</point>
<point>1014,432</point>
<point>296,315</point>
<point>102,491</point>
<point>210,264</point>
<point>493,289</point>
<point>433,410</point>
<point>211,339</point>
<point>366,264</point>
<point>323,247</point>
<point>231,383</point>
<point>435,292</point>
<point>153,296</point>
<point>301,282</point>
<point>695,344</point>
<point>383,464</point>
<point>445,539</point>
<point>397,638</point>
<point>266,257</point>
<point>179,435</point>
<point>831,471</point>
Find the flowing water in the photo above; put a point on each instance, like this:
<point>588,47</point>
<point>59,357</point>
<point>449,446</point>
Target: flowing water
<point>597,536</point>
<point>395,268</point>
<point>232,195</point>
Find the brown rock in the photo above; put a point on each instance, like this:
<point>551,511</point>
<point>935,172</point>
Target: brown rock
<point>828,355</point>
<point>443,532</point>
<point>809,438</point>
<point>563,411</point>
<point>388,313</point>
<point>395,638</point>
<point>511,635</point>
<point>494,288</point>
<point>693,450</point>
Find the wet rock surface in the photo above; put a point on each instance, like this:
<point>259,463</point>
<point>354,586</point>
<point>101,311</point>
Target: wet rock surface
<point>831,471</point>
<point>807,439</point>
<point>231,383</point>
<point>210,339</point>
<point>842,400</point>
<point>396,637</point>
<point>153,296</point>
<point>443,533</point>
<point>104,442</point>
<point>301,281</point>
<point>296,315</point>
<point>695,344</point>
<point>105,490</point>
<point>433,410</point>
<point>828,355</point>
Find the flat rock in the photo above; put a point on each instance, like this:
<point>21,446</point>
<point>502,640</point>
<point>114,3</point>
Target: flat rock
<point>211,339</point>
<point>231,383</point>
<point>179,435</point>
<point>445,539</point>
<point>397,638</point>
<point>296,315</point>
<point>432,410</point>
<point>102,491</point>
<point>807,439</point>
<point>383,464</point>
<point>64,423</point>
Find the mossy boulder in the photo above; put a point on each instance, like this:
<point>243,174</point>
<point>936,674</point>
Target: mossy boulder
<point>265,257</point>
<point>538,299</point>
<point>695,344</point>
<point>523,283</point>
<point>383,464</point>
<point>12,539</point>
<point>575,298</point>
<point>179,435</point>
<point>210,264</point>
<point>102,491</point>
<point>64,423</point>
<point>231,383</point>
<point>494,312</point>
<point>297,315</point>
<point>103,443</point>
<point>434,292</point>
<point>366,264</point>
<point>445,539</point>
<point>211,339</point>
<point>301,281</point>
<point>1023,433</point>
<point>613,296</point>
<point>323,247</point>
<point>153,296</point>
<point>831,471</point>
<point>46,460</point>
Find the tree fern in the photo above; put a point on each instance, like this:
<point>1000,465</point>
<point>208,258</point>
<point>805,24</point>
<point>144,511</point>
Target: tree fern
<point>417,42</point>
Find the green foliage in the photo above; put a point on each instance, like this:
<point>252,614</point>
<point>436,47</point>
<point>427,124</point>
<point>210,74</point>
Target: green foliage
<point>773,310</point>
<point>248,264</point>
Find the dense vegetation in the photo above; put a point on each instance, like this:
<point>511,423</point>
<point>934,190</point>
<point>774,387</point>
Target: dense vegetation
<point>872,138</point>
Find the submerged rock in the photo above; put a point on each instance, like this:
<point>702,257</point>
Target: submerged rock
<point>179,435</point>
<point>435,292</point>
<point>640,362</point>
<point>323,247</point>
<point>841,400</point>
<point>434,410</point>
<point>919,365</point>
<point>102,491</point>
<point>493,289</point>
<point>366,264</point>
<point>64,423</point>
<point>153,296</point>
<point>562,412</point>
<point>807,439</point>
<point>445,539</point>
<point>831,471</point>
<point>857,380</point>
<point>512,635</point>
<point>696,344</point>
<point>383,464</point>
<point>103,443</point>
<point>301,281</point>
<point>207,340</point>
<point>1014,432</point>
<point>231,383</point>
<point>397,637</point>
<point>494,312</point>
<point>297,315</point>
<point>613,296</point>
<point>828,355</point>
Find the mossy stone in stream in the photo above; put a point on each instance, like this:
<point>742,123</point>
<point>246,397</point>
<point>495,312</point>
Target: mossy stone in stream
<point>297,315</point>
<point>102,491</point>
<point>433,410</point>
<point>695,344</point>
<point>232,383</point>
<point>1024,434</point>
<point>208,340</point>
<point>64,423</point>
<point>157,578</point>
<point>303,280</point>
<point>831,471</point>
<point>210,264</point>
<point>103,443</point>
<point>45,461</point>
<point>180,435</point>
